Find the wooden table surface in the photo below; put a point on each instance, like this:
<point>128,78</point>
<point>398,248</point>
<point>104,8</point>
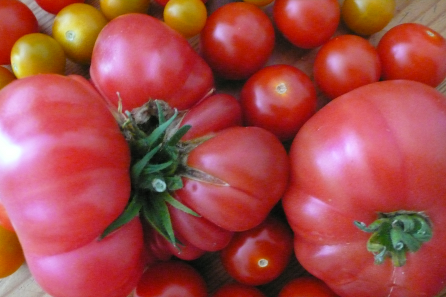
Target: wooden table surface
<point>428,12</point>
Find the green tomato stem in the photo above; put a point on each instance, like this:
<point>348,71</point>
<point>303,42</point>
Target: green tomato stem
<point>395,234</point>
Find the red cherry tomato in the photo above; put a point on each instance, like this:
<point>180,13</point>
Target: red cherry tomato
<point>171,278</point>
<point>307,23</point>
<point>53,6</point>
<point>345,63</point>
<point>16,20</point>
<point>413,51</point>
<point>259,255</point>
<point>238,290</point>
<point>237,40</point>
<point>278,98</point>
<point>306,286</point>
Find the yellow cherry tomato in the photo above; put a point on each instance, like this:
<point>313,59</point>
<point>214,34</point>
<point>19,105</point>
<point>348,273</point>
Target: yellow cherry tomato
<point>76,27</point>
<point>187,17</point>
<point>366,17</point>
<point>114,8</point>
<point>37,53</point>
<point>6,77</point>
<point>11,253</point>
<point>259,2</point>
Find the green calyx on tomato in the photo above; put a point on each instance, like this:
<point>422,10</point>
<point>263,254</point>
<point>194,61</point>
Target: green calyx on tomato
<point>153,134</point>
<point>396,233</point>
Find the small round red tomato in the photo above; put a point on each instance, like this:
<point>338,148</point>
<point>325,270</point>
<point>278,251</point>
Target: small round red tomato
<point>11,253</point>
<point>366,17</point>
<point>279,98</point>
<point>413,51</point>
<point>307,23</point>
<point>76,27</point>
<point>306,286</point>
<point>16,20</point>
<point>238,290</point>
<point>171,278</point>
<point>54,7</point>
<point>187,17</point>
<point>237,40</point>
<point>114,8</point>
<point>345,63</point>
<point>37,53</point>
<point>259,255</point>
<point>6,77</point>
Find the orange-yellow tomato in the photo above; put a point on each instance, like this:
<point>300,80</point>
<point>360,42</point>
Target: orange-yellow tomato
<point>11,253</point>
<point>6,77</point>
<point>37,53</point>
<point>187,17</point>
<point>76,27</point>
<point>366,17</point>
<point>115,8</point>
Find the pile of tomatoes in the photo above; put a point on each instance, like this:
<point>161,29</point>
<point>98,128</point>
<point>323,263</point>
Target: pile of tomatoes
<point>191,135</point>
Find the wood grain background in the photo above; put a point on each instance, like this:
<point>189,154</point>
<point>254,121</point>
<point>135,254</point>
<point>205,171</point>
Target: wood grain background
<point>428,12</point>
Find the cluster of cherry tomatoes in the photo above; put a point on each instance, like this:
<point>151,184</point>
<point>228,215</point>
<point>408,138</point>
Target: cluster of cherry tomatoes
<point>237,40</point>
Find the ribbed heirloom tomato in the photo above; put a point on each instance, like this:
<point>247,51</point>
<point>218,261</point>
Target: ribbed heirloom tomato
<point>367,197</point>
<point>63,180</point>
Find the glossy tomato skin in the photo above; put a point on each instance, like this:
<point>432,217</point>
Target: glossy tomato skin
<point>307,23</point>
<point>345,63</point>
<point>171,278</point>
<point>413,51</point>
<point>306,286</point>
<point>366,17</point>
<point>55,186</point>
<point>114,8</point>
<point>238,290</point>
<point>251,167</point>
<point>237,40</point>
<point>259,255</point>
<point>375,149</point>
<point>278,98</point>
<point>130,57</point>
<point>54,7</point>
<point>16,20</point>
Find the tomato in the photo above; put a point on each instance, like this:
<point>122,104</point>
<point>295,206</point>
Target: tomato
<point>279,98</point>
<point>6,77</point>
<point>307,23</point>
<point>115,8</point>
<point>185,16</point>
<point>5,222</point>
<point>259,2</point>
<point>237,40</point>
<point>76,28</point>
<point>11,254</point>
<point>16,20</point>
<point>306,286</point>
<point>375,154</point>
<point>259,255</point>
<point>164,2</point>
<point>37,53</point>
<point>115,66</point>
<point>237,290</point>
<point>171,278</point>
<point>54,7</point>
<point>60,149</point>
<point>413,51</point>
<point>366,17</point>
<point>345,63</point>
